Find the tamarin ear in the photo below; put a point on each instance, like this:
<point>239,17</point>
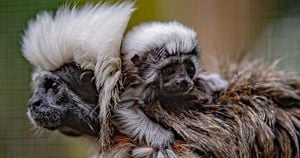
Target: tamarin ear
<point>136,60</point>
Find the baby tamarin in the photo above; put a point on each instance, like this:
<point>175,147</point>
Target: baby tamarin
<point>161,62</point>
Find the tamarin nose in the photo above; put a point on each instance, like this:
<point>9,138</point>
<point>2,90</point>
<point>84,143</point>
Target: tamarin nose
<point>35,103</point>
<point>184,84</point>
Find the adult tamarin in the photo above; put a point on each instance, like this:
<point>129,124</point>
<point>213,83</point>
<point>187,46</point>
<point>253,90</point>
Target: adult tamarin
<point>161,63</point>
<point>75,51</point>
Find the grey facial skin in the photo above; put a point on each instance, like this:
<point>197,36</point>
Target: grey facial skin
<point>65,100</point>
<point>174,73</point>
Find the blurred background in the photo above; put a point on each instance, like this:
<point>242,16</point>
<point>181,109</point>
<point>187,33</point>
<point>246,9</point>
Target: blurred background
<point>267,29</point>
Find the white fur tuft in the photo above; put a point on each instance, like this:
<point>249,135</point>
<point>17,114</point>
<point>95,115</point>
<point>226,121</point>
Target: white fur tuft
<point>78,34</point>
<point>173,36</point>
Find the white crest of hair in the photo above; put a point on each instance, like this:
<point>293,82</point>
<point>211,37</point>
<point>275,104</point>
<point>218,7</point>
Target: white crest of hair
<point>90,36</point>
<point>173,36</point>
<point>82,35</point>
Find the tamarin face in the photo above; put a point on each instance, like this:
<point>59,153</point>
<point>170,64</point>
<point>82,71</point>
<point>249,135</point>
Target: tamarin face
<point>165,55</point>
<point>169,75</point>
<point>176,77</point>
<point>65,99</point>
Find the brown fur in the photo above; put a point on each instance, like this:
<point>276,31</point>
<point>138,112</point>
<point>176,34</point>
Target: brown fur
<point>257,116</point>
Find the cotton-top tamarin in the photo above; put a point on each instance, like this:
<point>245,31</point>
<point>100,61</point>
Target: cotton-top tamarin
<point>161,63</point>
<point>69,47</point>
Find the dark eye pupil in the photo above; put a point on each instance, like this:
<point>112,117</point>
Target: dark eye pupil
<point>169,71</point>
<point>190,69</point>
<point>50,84</point>
<point>54,85</point>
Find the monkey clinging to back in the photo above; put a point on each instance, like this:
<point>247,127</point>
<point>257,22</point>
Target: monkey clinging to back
<point>161,63</point>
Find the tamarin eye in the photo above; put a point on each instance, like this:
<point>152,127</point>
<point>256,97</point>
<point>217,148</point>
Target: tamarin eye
<point>50,84</point>
<point>190,69</point>
<point>169,70</point>
<point>55,87</point>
